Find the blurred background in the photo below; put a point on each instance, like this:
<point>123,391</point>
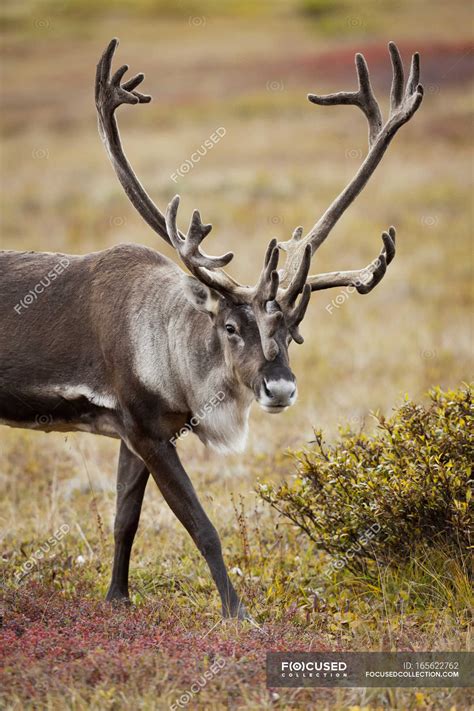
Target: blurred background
<point>247,67</point>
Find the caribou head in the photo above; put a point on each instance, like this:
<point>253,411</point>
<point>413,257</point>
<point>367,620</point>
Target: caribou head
<point>256,324</point>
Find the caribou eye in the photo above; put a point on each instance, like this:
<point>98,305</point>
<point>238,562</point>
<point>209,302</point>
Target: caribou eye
<point>230,328</point>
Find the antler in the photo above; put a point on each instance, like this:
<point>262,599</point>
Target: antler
<point>275,294</point>
<point>206,268</point>
<point>288,298</point>
<point>109,95</point>
<point>266,309</point>
<point>403,104</point>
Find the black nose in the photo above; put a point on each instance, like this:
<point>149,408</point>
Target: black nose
<point>281,390</point>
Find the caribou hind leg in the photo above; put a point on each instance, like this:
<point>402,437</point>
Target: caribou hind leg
<point>178,491</point>
<point>132,477</point>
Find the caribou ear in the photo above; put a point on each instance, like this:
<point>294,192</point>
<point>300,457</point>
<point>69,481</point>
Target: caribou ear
<point>201,296</point>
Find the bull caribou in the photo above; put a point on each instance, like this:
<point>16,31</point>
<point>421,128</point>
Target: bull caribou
<point>126,344</point>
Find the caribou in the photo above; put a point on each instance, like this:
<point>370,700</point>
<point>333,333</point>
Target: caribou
<point>124,343</point>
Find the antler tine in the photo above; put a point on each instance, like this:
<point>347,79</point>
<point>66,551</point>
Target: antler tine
<point>396,91</point>
<point>294,310</point>
<point>269,280</point>
<point>266,309</point>
<point>188,247</point>
<point>297,314</point>
<point>364,98</point>
<point>414,76</point>
<point>368,102</point>
<point>171,213</point>
<point>295,237</point>
<point>364,280</point>
<point>296,286</point>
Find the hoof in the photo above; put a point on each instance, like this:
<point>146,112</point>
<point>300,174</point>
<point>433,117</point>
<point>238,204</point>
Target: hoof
<point>118,598</point>
<point>238,613</point>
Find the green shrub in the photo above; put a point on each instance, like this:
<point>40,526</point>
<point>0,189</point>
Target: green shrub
<point>368,499</point>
